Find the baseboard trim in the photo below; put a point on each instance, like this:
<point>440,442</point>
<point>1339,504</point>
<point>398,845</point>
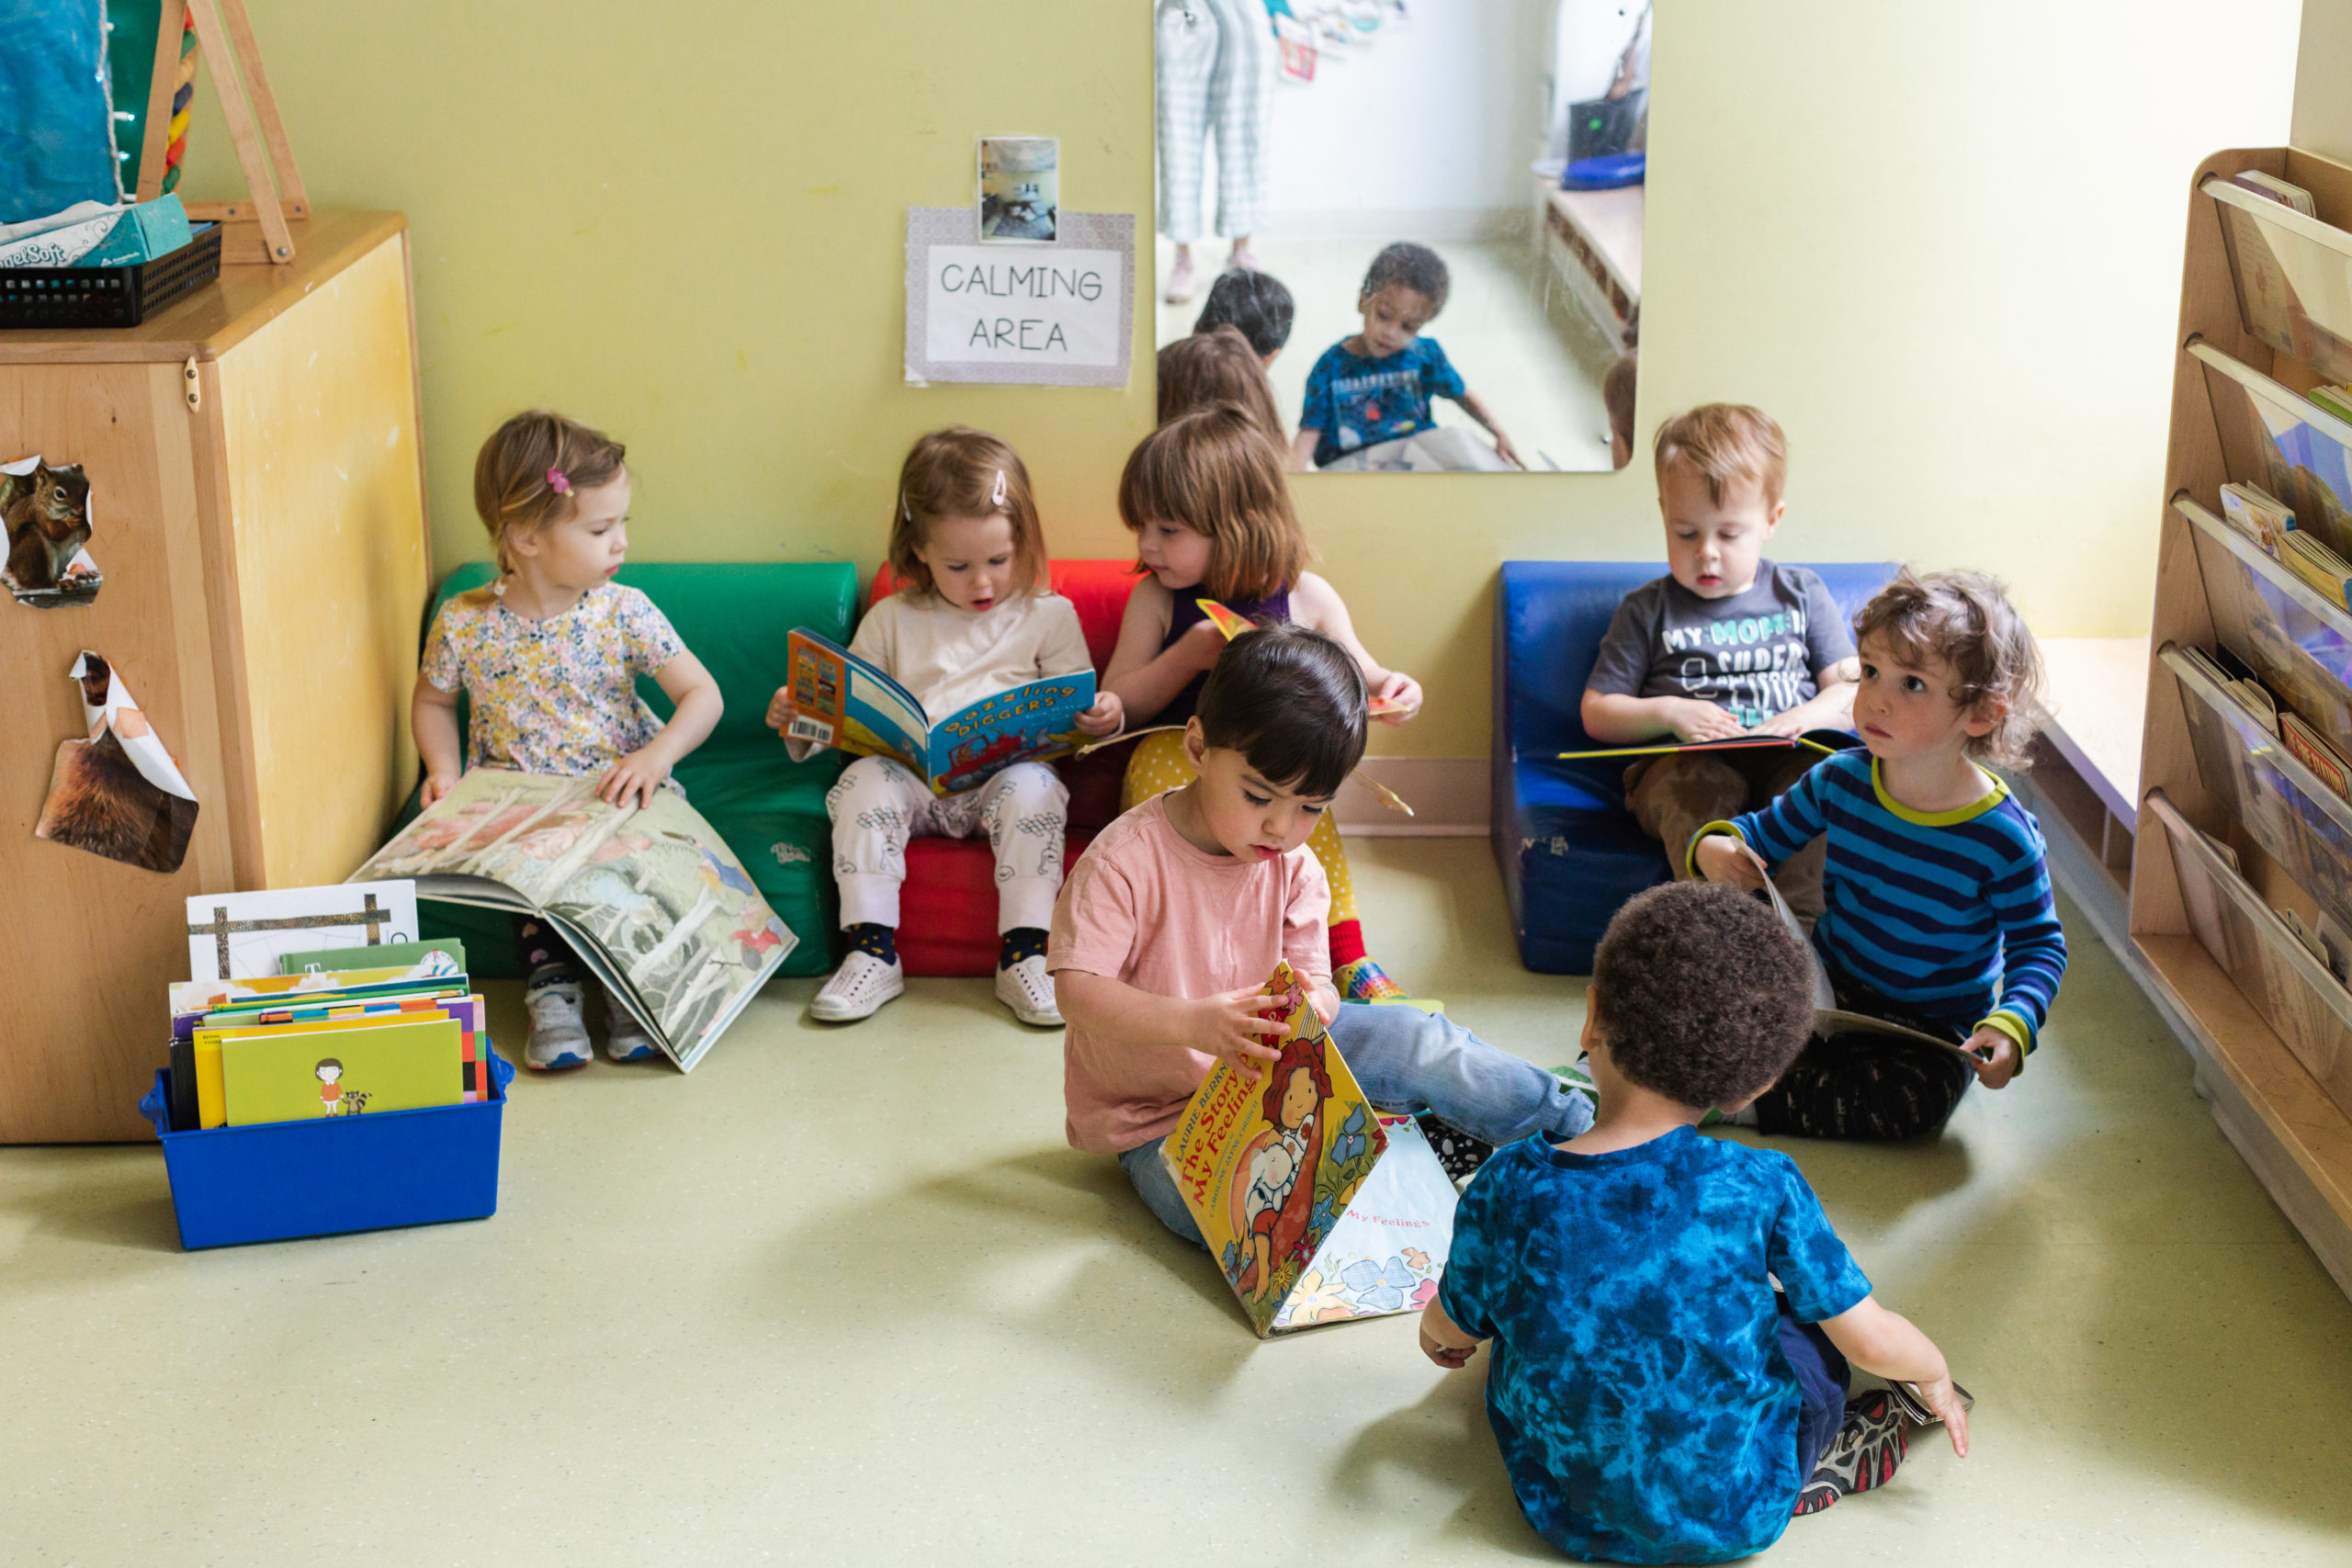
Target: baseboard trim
<point>1449,796</point>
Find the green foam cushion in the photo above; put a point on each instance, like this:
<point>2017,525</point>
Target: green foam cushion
<point>736,618</point>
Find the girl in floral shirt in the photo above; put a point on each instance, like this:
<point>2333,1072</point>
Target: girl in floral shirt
<point>549,657</point>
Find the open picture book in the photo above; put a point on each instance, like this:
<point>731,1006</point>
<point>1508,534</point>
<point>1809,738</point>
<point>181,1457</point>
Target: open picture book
<point>651,899</point>
<point>847,702</point>
<point>1829,1019</point>
<point>1318,1207</point>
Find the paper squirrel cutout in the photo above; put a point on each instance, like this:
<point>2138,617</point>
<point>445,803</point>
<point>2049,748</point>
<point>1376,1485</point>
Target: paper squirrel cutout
<point>118,794</point>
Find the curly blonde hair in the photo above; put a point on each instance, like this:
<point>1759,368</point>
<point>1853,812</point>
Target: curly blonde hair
<point>1966,619</point>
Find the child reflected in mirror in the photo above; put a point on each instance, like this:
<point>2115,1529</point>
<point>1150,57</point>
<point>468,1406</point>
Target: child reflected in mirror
<point>1378,386</point>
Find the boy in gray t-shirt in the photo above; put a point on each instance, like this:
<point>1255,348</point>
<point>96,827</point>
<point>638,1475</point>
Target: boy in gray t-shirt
<point>1727,644</point>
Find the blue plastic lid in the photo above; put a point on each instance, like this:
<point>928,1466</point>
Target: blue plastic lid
<point>1605,173</point>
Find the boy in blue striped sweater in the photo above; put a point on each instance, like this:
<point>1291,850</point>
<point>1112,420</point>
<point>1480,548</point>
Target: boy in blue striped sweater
<point>1940,914</point>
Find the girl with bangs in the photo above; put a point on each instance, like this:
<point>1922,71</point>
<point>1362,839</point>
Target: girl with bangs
<point>1205,497</point>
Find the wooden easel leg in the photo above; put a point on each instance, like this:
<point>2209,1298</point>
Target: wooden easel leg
<point>168,27</point>
<point>272,129</point>
<point>244,135</point>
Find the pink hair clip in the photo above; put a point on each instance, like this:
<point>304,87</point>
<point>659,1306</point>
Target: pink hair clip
<point>557,482</point>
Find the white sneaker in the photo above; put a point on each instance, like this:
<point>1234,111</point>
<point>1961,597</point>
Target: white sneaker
<point>559,1032</point>
<point>625,1038</point>
<point>858,988</point>
<point>1028,990</point>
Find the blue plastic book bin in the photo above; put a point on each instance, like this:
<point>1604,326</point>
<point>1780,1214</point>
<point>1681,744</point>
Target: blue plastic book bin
<point>281,1180</point>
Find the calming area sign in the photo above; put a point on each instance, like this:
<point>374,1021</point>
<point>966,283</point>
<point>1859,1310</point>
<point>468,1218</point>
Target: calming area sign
<point>1059,314</point>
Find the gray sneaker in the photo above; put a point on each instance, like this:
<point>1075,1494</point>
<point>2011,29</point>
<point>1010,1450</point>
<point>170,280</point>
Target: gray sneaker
<point>559,1032</point>
<point>625,1038</point>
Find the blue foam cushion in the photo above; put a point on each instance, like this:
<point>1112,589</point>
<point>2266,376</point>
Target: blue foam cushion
<point>1569,852</point>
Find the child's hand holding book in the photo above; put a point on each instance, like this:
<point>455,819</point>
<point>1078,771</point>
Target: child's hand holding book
<point>1235,1025</point>
<point>1994,1056</point>
<point>1722,857</point>
<point>1395,698</point>
<point>1104,717</point>
<point>781,710</point>
<point>1692,719</point>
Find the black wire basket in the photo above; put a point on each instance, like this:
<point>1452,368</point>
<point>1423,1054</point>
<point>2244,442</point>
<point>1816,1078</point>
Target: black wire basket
<point>107,295</point>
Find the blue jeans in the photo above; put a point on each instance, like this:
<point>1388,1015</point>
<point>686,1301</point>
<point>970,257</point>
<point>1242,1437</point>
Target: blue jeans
<point>1407,1062</point>
<point>1823,1378</point>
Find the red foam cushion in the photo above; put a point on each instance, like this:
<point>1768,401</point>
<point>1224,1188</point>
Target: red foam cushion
<point>947,910</point>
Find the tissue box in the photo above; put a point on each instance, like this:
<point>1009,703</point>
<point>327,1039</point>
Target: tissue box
<point>145,233</point>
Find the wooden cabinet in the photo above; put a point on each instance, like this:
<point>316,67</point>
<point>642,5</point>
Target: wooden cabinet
<point>258,515</point>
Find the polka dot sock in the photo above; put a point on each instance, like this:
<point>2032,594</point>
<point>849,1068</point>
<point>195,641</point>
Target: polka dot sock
<point>867,936</point>
<point>1020,942</point>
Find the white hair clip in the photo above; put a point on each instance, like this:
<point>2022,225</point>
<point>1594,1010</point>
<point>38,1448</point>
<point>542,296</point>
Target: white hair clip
<point>906,511</point>
<point>996,496</point>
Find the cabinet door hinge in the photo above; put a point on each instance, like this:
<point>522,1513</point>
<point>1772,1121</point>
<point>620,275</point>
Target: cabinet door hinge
<point>195,388</point>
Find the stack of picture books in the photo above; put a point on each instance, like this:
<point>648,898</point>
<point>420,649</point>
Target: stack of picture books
<point>2272,188</point>
<point>405,1032</point>
<point>2239,681</point>
<point>2259,515</point>
<point>2326,570</point>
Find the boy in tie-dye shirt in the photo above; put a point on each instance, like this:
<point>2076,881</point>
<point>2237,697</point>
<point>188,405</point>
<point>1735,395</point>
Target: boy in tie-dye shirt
<point>1655,1398</point>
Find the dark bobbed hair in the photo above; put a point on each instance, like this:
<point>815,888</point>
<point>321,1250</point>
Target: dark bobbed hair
<point>1291,702</point>
<point>1255,304</point>
<point>1702,994</point>
<point>1412,266</point>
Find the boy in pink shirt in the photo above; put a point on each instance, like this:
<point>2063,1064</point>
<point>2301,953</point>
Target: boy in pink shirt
<point>1176,913</point>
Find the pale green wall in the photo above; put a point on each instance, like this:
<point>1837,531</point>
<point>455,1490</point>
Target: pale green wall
<point>2323,107</point>
<point>1940,243</point>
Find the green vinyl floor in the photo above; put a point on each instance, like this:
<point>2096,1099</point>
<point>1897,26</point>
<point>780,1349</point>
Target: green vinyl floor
<point>844,1295</point>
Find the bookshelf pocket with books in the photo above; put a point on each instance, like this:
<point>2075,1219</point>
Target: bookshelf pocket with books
<point>2271,961</point>
<point>2242,874</point>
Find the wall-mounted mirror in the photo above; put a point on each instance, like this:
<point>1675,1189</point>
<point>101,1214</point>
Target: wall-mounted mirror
<point>1425,216</point>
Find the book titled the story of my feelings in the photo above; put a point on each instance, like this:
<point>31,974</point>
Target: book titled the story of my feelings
<point>1318,1207</point>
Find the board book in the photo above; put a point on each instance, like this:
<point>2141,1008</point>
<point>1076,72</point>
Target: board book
<point>198,1071</point>
<point>361,1067</point>
<point>852,704</point>
<point>333,958</point>
<point>1317,1208</point>
<point>1827,742</point>
<point>649,899</point>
